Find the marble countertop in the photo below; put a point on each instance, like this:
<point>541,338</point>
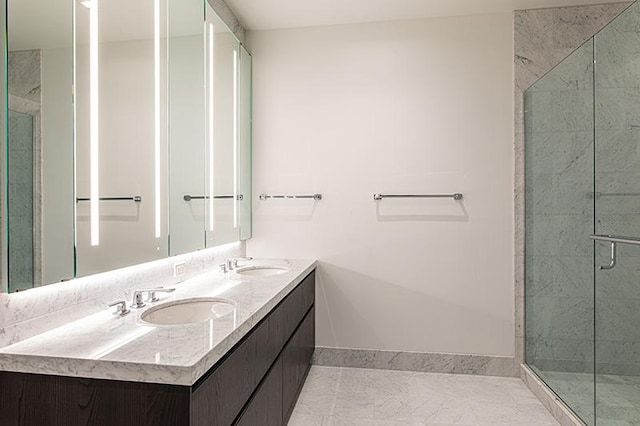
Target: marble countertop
<point>107,346</point>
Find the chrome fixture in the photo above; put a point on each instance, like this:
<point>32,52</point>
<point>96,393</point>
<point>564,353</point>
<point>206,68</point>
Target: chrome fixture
<point>121,307</point>
<point>137,296</point>
<point>136,198</point>
<point>614,239</point>
<point>456,196</point>
<point>188,197</point>
<point>316,197</point>
<point>232,263</point>
<point>224,268</point>
<point>612,194</point>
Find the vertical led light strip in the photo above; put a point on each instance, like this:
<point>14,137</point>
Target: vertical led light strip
<point>157,135</point>
<point>210,126</point>
<point>94,122</point>
<point>235,138</point>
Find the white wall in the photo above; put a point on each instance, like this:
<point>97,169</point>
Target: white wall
<point>127,166</point>
<point>414,106</point>
<point>57,166</point>
<point>187,148</point>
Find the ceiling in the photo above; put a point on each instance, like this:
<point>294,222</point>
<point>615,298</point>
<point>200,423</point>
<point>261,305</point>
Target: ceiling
<point>274,14</point>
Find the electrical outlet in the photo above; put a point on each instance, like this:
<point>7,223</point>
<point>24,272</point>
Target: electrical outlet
<point>179,269</point>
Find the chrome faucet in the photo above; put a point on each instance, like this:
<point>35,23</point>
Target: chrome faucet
<point>232,263</point>
<point>137,296</point>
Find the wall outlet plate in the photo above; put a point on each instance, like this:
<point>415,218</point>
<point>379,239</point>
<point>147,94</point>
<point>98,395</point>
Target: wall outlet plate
<point>179,269</point>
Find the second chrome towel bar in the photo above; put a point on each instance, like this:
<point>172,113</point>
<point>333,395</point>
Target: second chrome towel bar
<point>456,196</point>
<point>135,198</point>
<point>316,197</point>
<point>188,197</point>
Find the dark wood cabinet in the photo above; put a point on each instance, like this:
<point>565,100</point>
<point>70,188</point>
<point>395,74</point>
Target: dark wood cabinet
<point>256,383</point>
<point>296,361</point>
<point>265,408</point>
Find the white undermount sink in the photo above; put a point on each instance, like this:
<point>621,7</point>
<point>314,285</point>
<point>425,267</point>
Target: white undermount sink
<point>261,271</point>
<point>188,311</point>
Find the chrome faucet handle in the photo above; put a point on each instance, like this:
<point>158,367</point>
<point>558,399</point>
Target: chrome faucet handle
<point>121,307</point>
<point>152,293</point>
<point>235,260</point>
<point>224,268</point>
<point>137,300</point>
<point>137,295</point>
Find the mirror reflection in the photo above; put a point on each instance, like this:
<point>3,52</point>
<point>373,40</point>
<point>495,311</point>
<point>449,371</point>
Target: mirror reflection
<point>149,156</point>
<point>121,133</point>
<point>40,158</point>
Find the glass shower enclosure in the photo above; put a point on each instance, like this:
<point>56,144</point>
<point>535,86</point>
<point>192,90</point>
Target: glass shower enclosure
<point>582,198</point>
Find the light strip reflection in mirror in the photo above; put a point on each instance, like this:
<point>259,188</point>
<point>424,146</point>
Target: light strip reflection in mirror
<point>94,122</point>
<point>235,138</point>
<point>210,127</point>
<point>156,56</point>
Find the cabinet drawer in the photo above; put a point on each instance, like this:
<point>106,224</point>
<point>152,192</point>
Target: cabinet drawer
<point>265,408</point>
<point>298,304</point>
<point>296,360</point>
<point>219,398</point>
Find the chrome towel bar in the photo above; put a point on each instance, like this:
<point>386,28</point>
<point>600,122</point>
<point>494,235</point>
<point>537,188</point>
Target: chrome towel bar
<point>316,197</point>
<point>456,196</point>
<point>135,198</point>
<point>188,197</point>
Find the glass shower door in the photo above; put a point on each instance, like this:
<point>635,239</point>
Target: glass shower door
<point>559,217</point>
<point>617,212</point>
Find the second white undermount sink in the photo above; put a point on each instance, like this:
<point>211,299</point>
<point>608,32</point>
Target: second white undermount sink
<point>261,271</point>
<point>188,311</point>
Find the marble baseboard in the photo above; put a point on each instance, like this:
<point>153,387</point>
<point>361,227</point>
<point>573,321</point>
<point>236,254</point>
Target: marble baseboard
<point>551,402</point>
<point>417,361</point>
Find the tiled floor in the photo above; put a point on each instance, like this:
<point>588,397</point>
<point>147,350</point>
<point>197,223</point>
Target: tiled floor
<point>355,397</point>
<point>617,396</point>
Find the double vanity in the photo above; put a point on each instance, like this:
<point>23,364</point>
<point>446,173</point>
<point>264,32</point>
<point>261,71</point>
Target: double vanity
<point>222,348</point>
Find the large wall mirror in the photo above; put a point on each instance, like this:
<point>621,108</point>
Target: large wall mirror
<point>128,136</point>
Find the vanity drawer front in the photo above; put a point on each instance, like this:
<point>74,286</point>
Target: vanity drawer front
<point>297,304</point>
<point>221,396</point>
<point>296,361</point>
<point>41,400</point>
<point>219,399</point>
<point>265,408</point>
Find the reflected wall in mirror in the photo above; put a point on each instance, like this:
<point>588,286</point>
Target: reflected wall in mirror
<point>222,132</point>
<point>121,133</point>
<point>187,126</point>
<point>39,138</point>
<point>149,156</point>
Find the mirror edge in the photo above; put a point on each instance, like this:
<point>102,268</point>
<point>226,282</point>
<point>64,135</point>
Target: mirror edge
<point>4,260</point>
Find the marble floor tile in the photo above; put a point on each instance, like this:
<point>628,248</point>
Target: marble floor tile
<point>334,396</point>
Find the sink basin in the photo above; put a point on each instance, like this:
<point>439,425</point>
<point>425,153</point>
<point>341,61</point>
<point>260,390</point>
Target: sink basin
<point>261,271</point>
<point>188,311</point>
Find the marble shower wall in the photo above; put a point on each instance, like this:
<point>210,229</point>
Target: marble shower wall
<point>24,165</point>
<point>542,39</point>
<point>617,182</point>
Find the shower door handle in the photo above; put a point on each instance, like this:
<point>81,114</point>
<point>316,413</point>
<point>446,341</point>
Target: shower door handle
<point>614,240</point>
